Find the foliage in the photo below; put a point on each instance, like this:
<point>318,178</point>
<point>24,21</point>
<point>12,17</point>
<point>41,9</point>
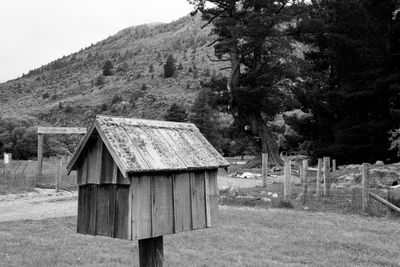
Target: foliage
<point>169,67</point>
<point>251,38</point>
<point>176,113</point>
<point>99,80</point>
<point>107,68</point>
<point>18,136</point>
<point>352,86</point>
<point>204,117</point>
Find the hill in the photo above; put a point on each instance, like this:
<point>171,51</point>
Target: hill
<point>71,90</point>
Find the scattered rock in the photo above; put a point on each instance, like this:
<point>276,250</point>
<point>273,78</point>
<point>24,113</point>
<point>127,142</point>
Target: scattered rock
<point>274,195</point>
<point>379,163</point>
<point>266,199</point>
<point>248,175</point>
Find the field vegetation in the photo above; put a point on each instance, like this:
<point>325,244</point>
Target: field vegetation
<point>243,237</point>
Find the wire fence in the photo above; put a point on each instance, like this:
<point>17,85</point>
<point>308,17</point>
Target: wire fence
<point>22,175</point>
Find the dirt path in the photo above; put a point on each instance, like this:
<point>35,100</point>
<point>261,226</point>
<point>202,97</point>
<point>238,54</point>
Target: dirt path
<point>46,203</point>
<point>40,204</point>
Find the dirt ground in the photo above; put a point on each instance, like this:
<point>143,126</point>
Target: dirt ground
<point>46,203</point>
<point>40,204</point>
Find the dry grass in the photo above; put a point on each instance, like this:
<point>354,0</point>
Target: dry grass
<point>244,237</point>
<point>21,176</point>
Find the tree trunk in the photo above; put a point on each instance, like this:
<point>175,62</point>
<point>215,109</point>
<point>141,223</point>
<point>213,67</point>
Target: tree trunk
<point>269,145</point>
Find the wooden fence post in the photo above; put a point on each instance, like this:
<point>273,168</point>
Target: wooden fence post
<point>39,157</point>
<point>334,169</point>
<point>264,169</point>
<point>287,191</point>
<point>326,162</point>
<point>151,252</point>
<point>304,180</point>
<point>365,187</point>
<point>318,182</point>
<point>59,163</point>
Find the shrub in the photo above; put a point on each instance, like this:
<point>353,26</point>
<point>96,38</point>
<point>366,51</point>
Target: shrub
<point>144,87</point>
<point>99,81</point>
<point>116,98</point>
<point>45,95</point>
<point>107,68</point>
<point>285,204</point>
<point>169,67</point>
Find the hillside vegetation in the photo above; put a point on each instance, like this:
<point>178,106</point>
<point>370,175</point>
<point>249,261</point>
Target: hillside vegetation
<point>71,90</point>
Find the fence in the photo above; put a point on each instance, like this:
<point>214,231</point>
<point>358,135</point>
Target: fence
<point>22,174</point>
<point>314,189</point>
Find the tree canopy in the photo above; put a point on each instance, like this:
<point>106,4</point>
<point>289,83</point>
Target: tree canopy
<point>352,85</point>
<point>251,36</point>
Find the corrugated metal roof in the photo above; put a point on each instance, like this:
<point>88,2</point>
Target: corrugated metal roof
<point>146,145</point>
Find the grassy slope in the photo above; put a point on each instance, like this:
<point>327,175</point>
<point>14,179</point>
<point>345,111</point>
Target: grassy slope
<point>71,79</point>
<point>244,237</point>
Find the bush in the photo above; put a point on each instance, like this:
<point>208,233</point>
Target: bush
<point>169,67</point>
<point>45,95</point>
<point>99,81</point>
<point>107,68</point>
<point>116,98</point>
<point>285,204</point>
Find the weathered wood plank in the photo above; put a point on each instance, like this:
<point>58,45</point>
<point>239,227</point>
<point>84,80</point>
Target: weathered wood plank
<point>92,200</point>
<point>213,195</point>
<point>163,208</point>
<point>61,130</point>
<point>106,167</point>
<point>130,213</point>
<point>182,203</point>
<point>83,210</point>
<point>193,200</point>
<point>207,199</point>
<point>144,200</point>
<point>135,207</point>
<point>121,211</point>
<point>84,170</point>
<point>200,200</point>
<point>105,210</point>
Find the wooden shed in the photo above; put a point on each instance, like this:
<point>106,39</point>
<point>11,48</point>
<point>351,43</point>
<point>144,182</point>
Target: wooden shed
<point>141,179</point>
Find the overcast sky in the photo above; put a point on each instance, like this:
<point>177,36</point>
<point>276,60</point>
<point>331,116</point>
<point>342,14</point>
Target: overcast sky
<point>35,32</point>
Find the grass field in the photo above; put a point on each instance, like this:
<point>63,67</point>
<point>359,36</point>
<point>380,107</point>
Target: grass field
<point>243,237</point>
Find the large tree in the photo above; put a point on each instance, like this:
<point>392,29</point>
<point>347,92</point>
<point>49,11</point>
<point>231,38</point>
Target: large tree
<point>251,37</point>
<point>352,86</point>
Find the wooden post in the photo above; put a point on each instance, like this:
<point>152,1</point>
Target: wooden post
<point>365,187</point>
<point>334,170</point>
<point>318,182</point>
<point>151,252</point>
<point>264,169</point>
<point>287,179</point>
<point>40,156</point>
<point>58,174</point>
<point>326,162</point>
<point>304,180</point>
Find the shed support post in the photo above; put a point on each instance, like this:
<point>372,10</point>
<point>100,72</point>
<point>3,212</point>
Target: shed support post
<point>39,156</point>
<point>151,252</point>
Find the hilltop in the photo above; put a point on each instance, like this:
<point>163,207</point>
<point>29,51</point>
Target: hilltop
<point>71,90</point>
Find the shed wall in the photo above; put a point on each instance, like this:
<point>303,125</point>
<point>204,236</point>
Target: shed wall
<point>170,203</point>
<point>98,167</point>
<point>103,210</point>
